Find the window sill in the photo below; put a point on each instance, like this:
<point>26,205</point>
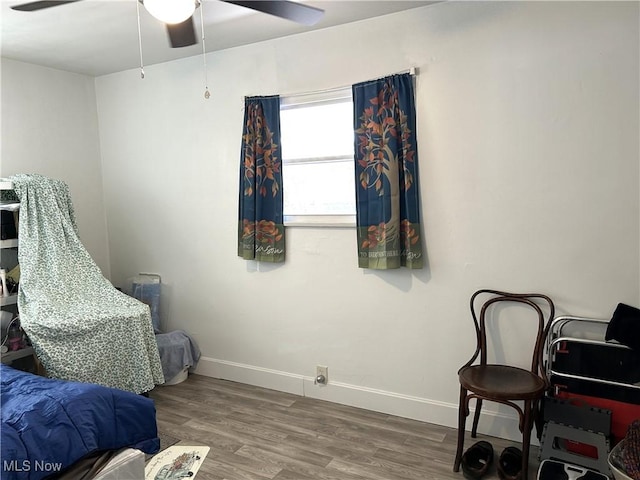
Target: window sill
<point>335,221</point>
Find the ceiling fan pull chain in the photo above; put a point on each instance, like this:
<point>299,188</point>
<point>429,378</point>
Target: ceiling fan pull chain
<point>140,39</point>
<point>204,52</point>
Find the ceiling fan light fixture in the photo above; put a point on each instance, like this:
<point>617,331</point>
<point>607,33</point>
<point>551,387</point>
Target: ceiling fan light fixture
<point>170,11</point>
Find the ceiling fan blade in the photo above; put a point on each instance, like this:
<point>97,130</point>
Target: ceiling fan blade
<point>182,34</point>
<point>286,9</point>
<point>33,6</point>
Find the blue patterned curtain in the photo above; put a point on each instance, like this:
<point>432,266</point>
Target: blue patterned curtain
<point>387,198</point>
<point>260,219</point>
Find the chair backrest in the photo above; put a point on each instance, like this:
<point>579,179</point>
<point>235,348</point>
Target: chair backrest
<point>485,298</point>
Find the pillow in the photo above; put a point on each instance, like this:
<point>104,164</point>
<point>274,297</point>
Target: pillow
<point>625,326</point>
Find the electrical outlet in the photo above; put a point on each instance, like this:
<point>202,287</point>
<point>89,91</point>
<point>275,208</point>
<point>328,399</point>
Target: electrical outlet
<point>322,375</point>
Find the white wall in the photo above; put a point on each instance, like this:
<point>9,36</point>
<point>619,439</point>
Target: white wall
<point>50,127</point>
<point>528,146</point>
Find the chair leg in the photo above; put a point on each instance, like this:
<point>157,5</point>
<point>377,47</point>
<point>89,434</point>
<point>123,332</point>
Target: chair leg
<point>526,437</point>
<point>462,420</point>
<point>538,418</point>
<point>476,418</point>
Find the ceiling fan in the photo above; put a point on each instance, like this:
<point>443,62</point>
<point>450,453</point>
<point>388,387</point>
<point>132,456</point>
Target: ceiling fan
<point>182,33</point>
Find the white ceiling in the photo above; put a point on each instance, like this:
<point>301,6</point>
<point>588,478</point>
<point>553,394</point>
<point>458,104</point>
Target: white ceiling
<point>97,37</point>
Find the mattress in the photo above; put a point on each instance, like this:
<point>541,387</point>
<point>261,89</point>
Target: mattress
<point>49,424</point>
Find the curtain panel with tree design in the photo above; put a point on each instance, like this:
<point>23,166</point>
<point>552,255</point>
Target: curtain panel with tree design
<point>260,219</point>
<point>386,161</point>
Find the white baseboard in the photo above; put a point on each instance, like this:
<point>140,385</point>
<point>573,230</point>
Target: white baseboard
<point>251,375</point>
<point>496,424</point>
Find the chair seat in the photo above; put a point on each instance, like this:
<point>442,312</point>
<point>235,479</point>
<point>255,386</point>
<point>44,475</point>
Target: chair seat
<point>502,382</point>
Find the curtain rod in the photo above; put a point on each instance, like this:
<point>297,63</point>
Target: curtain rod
<point>413,71</point>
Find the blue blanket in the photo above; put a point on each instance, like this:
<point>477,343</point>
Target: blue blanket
<point>49,424</point>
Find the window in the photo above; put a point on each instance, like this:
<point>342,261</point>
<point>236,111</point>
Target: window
<point>317,159</point>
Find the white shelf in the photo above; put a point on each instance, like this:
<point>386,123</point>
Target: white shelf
<point>12,206</point>
<point>10,300</point>
<point>9,243</point>
<point>9,205</point>
<point>16,354</point>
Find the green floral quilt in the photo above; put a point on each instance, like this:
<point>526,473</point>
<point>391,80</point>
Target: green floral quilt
<point>81,327</point>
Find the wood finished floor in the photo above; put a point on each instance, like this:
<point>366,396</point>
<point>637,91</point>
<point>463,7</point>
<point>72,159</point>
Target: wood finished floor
<point>257,434</point>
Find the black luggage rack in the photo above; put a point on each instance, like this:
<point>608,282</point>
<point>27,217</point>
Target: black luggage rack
<point>584,363</point>
<point>624,377</point>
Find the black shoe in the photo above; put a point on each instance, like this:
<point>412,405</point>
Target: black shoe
<point>477,460</point>
<point>510,464</point>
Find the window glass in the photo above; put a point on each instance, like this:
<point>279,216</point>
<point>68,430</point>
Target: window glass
<point>319,188</point>
<point>317,152</point>
<point>317,131</point>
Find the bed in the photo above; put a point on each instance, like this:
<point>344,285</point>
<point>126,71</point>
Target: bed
<point>50,425</point>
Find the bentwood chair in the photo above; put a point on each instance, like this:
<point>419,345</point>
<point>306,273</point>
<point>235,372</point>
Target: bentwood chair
<point>499,383</point>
